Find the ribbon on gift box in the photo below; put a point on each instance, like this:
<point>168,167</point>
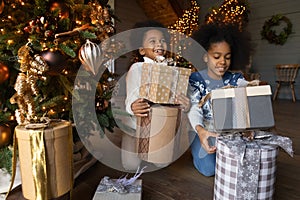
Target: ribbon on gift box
<point>249,154</point>
<point>241,117</point>
<point>240,83</point>
<point>121,185</point>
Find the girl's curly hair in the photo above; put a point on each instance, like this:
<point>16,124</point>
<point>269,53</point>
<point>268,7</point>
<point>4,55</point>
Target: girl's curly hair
<point>137,36</point>
<point>239,42</point>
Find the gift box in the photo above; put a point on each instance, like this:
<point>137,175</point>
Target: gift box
<point>156,133</point>
<point>160,82</point>
<point>46,160</point>
<point>242,108</point>
<point>110,189</point>
<point>246,169</point>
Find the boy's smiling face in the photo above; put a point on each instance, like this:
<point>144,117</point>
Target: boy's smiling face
<point>154,44</point>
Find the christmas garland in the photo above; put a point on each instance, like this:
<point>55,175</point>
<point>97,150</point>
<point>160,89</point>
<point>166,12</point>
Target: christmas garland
<point>270,35</point>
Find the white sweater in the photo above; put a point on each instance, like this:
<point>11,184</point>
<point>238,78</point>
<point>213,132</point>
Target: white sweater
<point>133,83</point>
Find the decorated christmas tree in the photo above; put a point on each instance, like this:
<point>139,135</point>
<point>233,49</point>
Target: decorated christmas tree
<point>43,44</point>
<point>230,12</point>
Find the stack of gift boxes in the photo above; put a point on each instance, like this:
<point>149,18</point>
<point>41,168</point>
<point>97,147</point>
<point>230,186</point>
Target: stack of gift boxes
<point>156,132</point>
<point>245,166</point>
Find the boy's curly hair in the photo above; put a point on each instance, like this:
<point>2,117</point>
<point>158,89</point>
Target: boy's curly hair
<point>137,36</point>
<point>239,42</point>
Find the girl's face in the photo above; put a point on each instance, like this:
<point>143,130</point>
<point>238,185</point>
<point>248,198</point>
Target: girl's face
<point>218,59</point>
<point>154,44</point>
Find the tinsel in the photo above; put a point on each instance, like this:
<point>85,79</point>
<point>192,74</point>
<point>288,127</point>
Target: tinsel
<point>32,69</point>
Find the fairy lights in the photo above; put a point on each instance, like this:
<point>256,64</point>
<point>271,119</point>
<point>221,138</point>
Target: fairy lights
<point>185,26</point>
<point>230,12</point>
<point>188,22</point>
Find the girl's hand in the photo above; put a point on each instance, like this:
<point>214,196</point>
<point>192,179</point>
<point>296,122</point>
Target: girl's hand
<point>203,136</point>
<point>184,101</point>
<point>140,108</point>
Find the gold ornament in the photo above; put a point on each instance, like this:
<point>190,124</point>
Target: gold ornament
<point>90,55</point>
<point>4,73</point>
<point>1,6</point>
<point>5,135</point>
<point>33,68</point>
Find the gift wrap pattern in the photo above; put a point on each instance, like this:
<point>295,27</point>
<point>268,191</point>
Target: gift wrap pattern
<point>156,134</point>
<point>111,189</point>
<point>242,108</point>
<point>245,170</point>
<point>160,82</point>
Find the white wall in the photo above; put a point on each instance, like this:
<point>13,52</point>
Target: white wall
<point>128,12</point>
<point>268,55</point>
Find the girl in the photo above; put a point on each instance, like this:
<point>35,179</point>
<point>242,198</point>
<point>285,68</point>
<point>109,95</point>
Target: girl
<point>227,48</point>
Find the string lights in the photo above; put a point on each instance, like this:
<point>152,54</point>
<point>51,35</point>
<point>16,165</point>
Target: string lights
<point>230,12</point>
<point>183,28</point>
<point>188,22</point>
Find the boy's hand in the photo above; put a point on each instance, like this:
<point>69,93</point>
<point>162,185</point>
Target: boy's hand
<point>140,108</point>
<point>184,101</point>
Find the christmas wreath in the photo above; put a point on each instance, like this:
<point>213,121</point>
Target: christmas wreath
<point>269,34</point>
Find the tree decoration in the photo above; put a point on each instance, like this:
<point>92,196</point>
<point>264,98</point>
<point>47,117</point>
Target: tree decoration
<point>32,69</point>
<point>101,18</point>
<point>188,22</point>
<point>1,6</point>
<point>268,33</point>
<point>55,31</point>
<point>5,135</point>
<point>4,73</point>
<point>55,60</point>
<point>230,12</point>
<point>90,55</point>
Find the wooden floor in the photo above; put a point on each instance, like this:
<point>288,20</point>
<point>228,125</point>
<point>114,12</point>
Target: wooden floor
<point>180,181</point>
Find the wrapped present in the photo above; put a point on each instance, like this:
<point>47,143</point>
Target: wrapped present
<point>156,133</point>
<point>160,82</point>
<point>46,160</point>
<point>120,189</point>
<point>245,169</point>
<point>242,108</point>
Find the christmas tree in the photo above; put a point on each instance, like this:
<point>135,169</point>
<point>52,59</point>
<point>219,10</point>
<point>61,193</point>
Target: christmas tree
<point>230,12</point>
<point>43,44</point>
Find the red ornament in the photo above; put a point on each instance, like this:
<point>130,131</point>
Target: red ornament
<point>4,73</point>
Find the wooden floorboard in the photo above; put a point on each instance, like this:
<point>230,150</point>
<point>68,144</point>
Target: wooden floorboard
<point>180,180</point>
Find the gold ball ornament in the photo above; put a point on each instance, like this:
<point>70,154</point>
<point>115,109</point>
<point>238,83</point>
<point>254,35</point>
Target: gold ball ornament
<point>90,55</point>
<point>1,6</point>
<point>4,73</point>
<point>5,135</point>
